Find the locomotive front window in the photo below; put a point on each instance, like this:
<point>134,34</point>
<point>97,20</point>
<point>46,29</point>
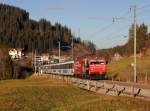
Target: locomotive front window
<point>97,62</point>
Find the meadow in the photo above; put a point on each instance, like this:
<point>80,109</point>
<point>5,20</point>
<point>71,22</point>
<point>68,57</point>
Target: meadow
<point>45,94</point>
<point>123,70</point>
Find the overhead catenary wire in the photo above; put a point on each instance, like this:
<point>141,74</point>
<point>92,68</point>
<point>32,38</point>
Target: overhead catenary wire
<point>119,32</point>
<point>145,9</point>
<point>102,29</point>
<point>114,19</point>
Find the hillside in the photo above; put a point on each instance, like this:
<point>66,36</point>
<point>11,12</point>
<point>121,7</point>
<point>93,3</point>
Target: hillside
<point>123,69</point>
<point>17,30</point>
<point>43,94</point>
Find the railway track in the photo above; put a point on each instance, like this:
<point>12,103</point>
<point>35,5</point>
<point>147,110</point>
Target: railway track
<point>107,87</point>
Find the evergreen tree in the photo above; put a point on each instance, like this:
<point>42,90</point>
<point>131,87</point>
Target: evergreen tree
<point>142,37</point>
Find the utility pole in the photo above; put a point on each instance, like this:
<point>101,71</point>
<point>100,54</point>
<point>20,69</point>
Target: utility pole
<point>135,76</point>
<point>79,32</point>
<point>134,23</point>
<point>35,61</point>
<point>59,43</point>
<point>72,48</point>
<point>59,51</point>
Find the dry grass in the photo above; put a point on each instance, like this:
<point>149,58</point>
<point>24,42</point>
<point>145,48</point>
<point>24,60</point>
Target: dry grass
<point>43,94</point>
<point>122,69</point>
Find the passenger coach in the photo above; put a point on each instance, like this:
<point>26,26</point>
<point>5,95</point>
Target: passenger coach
<point>91,67</point>
<point>65,68</point>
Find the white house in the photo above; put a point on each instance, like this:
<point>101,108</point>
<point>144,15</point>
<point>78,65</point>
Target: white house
<point>15,53</point>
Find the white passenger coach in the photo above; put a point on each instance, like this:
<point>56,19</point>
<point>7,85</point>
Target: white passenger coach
<point>65,68</point>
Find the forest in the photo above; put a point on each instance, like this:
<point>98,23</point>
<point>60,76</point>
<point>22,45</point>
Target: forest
<point>17,30</point>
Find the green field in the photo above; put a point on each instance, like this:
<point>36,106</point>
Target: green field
<point>123,70</point>
<point>43,94</point>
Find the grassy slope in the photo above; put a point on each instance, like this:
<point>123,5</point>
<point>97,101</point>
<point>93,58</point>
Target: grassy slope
<point>48,95</point>
<point>122,68</point>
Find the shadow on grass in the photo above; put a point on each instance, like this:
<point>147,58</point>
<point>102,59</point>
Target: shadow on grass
<point>22,72</point>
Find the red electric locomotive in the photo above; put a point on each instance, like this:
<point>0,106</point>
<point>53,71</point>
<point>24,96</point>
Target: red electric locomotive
<point>93,67</point>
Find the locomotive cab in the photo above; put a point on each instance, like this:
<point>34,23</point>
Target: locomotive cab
<point>92,67</point>
<point>97,67</point>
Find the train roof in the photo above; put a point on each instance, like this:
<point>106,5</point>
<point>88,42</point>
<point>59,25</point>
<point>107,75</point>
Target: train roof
<point>62,63</point>
<point>95,58</point>
<point>90,58</point>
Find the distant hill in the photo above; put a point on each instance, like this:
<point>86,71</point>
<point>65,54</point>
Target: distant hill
<point>17,30</point>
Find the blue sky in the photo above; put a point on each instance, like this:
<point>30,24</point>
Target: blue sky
<point>91,19</point>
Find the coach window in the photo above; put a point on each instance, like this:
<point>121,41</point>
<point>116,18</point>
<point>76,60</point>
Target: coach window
<point>68,66</point>
<point>71,66</point>
<point>63,66</point>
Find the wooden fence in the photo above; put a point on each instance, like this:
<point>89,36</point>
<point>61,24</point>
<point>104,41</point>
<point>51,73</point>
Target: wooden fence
<point>114,88</point>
